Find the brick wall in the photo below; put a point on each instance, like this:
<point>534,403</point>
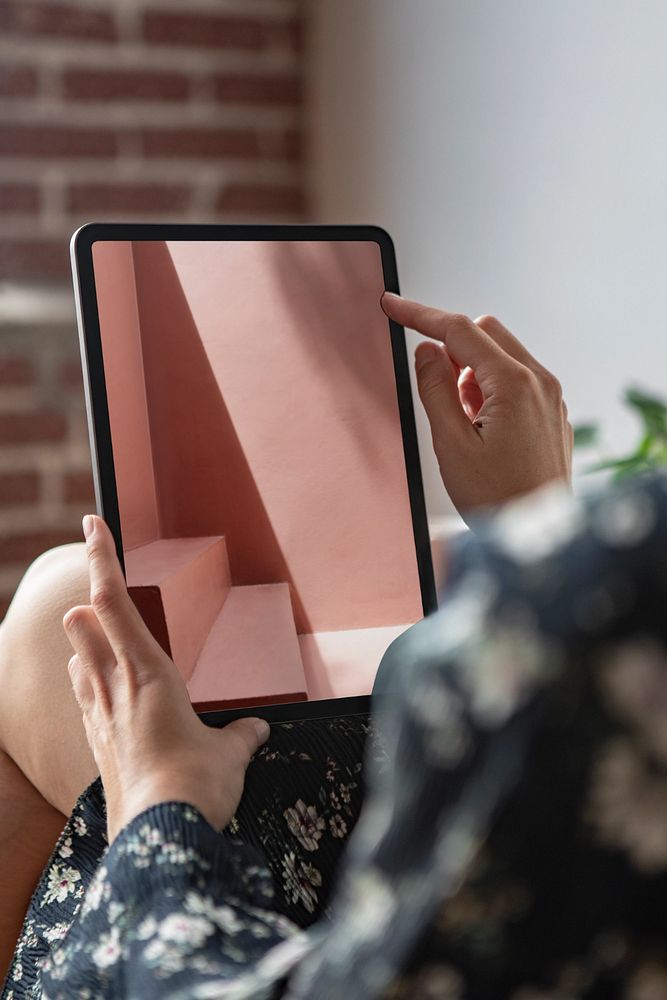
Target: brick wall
<point>118,109</point>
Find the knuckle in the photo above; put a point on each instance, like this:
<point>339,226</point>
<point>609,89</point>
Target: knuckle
<point>523,380</point>
<point>461,323</point>
<point>431,382</point>
<point>104,598</point>
<point>552,386</point>
<point>240,742</point>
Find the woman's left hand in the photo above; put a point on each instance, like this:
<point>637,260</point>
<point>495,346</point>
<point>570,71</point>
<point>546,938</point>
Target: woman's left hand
<point>147,741</point>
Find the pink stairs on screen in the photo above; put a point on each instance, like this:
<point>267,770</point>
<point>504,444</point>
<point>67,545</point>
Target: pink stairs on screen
<point>226,640</point>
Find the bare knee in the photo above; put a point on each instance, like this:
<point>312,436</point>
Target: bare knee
<point>65,562</point>
<point>57,579</point>
<point>32,636</point>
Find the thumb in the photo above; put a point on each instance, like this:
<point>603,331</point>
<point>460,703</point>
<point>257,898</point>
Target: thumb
<point>438,391</point>
<point>248,735</point>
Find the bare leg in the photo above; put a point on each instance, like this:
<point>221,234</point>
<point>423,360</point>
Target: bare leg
<point>40,721</point>
<point>29,827</point>
<point>45,761</point>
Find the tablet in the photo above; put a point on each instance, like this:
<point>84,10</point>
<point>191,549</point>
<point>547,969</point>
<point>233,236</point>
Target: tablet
<point>255,455</point>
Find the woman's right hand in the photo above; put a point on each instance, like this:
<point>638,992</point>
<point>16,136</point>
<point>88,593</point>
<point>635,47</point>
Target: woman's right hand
<point>497,416</point>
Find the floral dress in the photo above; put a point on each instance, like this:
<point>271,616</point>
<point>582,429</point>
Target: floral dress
<point>513,837</point>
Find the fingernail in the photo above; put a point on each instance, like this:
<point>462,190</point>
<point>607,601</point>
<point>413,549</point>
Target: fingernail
<point>425,354</point>
<point>262,729</point>
<point>388,297</point>
<point>88,526</point>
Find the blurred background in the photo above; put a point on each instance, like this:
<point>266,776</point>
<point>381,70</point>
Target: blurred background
<point>516,152</point>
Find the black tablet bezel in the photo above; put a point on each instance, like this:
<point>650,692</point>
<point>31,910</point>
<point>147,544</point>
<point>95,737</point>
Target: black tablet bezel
<point>98,411</point>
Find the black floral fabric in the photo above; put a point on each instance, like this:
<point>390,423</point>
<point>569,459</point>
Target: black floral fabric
<point>513,837</point>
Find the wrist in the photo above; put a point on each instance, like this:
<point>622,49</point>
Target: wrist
<point>147,794</point>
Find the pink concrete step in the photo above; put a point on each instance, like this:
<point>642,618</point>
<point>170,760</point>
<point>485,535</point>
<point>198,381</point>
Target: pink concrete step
<point>343,664</point>
<point>251,656</point>
<point>180,585</point>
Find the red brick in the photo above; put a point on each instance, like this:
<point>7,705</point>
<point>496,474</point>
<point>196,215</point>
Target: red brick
<point>215,31</point>
<point>18,487</point>
<point>16,371</point>
<point>35,427</point>
<point>17,81</point>
<point>28,259</point>
<point>124,85</point>
<point>78,487</point>
<point>204,143</point>
<point>56,141</point>
<point>119,197</point>
<point>261,198</point>
<point>15,197</point>
<point>250,89</point>
<point>26,546</point>
<point>56,20</point>
<point>284,145</point>
<point>200,142</point>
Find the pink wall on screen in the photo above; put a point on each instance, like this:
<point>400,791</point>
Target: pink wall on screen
<point>274,420</point>
<point>126,392</point>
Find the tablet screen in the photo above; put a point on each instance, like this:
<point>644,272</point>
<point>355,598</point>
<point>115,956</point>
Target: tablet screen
<point>260,473</point>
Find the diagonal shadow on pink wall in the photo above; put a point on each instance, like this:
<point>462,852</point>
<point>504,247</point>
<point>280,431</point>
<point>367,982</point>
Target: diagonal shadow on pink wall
<point>203,481</point>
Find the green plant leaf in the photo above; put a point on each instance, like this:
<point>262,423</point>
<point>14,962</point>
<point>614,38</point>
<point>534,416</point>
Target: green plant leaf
<point>651,410</point>
<point>615,464</point>
<point>585,435</point>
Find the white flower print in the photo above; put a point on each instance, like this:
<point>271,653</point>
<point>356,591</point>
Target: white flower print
<point>224,916</point>
<point>338,826</point>
<point>79,826</point>
<point>108,950</point>
<point>65,849</point>
<point>345,793</point>
<point>194,903</point>
<point>305,824</point>
<point>226,919</point>
<point>176,854</point>
<point>300,881</point>
<point>504,668</point>
<point>163,954</point>
<point>624,521</point>
<point>18,972</point>
<point>438,982</point>
<point>56,933</point>
<point>147,928</point>
<point>633,678</point>
<point>534,527</point>
<point>99,890</point>
<point>372,906</point>
<point>627,806</point>
<point>150,834</point>
<point>182,928</point>
<point>62,881</point>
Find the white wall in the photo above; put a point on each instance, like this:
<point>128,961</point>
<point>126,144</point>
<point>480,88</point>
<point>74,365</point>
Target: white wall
<point>517,152</point>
